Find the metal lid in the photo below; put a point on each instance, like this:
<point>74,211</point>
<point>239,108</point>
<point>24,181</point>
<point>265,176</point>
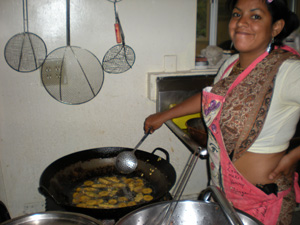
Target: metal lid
<point>54,218</point>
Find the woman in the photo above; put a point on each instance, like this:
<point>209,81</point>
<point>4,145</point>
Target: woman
<point>251,113</point>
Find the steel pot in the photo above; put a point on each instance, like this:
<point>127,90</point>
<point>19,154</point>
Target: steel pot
<point>53,218</point>
<point>59,178</point>
<point>187,212</point>
<point>197,130</point>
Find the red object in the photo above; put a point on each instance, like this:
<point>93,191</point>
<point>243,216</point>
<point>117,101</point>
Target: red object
<point>201,59</point>
<point>118,33</point>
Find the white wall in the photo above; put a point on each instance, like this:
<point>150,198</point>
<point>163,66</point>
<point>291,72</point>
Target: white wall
<point>35,129</point>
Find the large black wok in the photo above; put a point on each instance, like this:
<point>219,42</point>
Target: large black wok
<point>59,178</point>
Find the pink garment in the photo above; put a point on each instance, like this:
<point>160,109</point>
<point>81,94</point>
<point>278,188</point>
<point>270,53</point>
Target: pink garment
<point>241,193</point>
<point>296,187</point>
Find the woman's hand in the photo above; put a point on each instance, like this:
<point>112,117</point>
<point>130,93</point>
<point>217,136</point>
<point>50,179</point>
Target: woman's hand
<point>189,106</point>
<point>153,122</point>
<point>284,167</point>
<point>286,164</point>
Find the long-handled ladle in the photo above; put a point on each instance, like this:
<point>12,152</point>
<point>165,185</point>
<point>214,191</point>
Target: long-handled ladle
<point>126,161</point>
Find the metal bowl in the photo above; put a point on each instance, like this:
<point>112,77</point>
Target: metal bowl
<point>53,218</point>
<point>197,130</point>
<point>187,212</point>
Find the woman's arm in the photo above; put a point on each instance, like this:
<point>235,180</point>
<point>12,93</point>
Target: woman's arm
<point>286,164</point>
<point>189,106</point>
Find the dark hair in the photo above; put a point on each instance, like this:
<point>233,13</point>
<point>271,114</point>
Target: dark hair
<point>279,10</point>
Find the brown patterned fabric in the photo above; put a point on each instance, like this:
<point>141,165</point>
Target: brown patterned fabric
<point>288,202</point>
<point>287,209</point>
<point>246,106</point>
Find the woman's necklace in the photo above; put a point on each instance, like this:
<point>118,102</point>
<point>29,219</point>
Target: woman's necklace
<point>237,69</point>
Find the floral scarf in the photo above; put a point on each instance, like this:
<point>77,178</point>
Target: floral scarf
<point>247,105</point>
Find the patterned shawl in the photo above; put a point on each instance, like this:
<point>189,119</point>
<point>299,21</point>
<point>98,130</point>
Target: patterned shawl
<point>246,107</point>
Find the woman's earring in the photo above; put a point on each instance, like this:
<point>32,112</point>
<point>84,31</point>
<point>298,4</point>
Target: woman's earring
<point>270,46</point>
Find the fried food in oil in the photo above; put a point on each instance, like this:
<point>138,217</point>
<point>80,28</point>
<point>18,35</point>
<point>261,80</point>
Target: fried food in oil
<point>88,183</point>
<point>112,192</point>
<point>112,201</point>
<point>139,197</point>
<point>103,181</point>
<point>123,199</point>
<point>132,203</point>
<point>122,204</point>
<point>148,198</point>
<point>147,190</point>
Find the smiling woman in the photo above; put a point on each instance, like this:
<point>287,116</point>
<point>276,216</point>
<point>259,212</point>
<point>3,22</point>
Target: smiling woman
<point>206,23</point>
<point>251,112</point>
<point>251,29</point>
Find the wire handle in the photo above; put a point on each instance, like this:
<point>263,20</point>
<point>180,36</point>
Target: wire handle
<point>25,16</point>
<point>220,198</point>
<point>118,28</point>
<point>141,141</point>
<point>179,188</point>
<point>68,22</point>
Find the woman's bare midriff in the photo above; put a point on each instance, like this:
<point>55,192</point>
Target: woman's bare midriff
<point>256,168</point>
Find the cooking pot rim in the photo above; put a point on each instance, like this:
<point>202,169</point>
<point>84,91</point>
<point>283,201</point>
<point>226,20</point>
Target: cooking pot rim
<point>61,217</point>
<point>144,208</point>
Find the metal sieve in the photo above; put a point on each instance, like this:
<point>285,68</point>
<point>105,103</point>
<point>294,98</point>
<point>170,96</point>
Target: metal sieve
<point>25,52</point>
<point>70,74</point>
<point>121,57</point>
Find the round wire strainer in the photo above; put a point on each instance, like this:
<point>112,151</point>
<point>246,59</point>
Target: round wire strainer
<point>118,59</point>
<point>25,52</point>
<point>70,74</point>
<point>121,57</point>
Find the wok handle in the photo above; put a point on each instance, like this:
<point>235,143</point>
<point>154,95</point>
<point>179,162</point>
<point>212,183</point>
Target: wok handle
<point>164,151</point>
<point>44,191</point>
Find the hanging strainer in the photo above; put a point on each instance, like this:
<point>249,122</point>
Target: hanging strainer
<point>121,57</point>
<point>70,74</point>
<point>114,0</point>
<point>25,52</point>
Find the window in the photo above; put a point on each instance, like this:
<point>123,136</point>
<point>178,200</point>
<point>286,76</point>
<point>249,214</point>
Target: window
<point>211,29</point>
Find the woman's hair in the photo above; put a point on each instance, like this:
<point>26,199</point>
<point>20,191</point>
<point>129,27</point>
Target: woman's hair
<point>279,10</point>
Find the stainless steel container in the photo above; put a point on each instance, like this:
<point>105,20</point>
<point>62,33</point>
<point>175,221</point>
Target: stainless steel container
<point>187,212</point>
<point>53,218</point>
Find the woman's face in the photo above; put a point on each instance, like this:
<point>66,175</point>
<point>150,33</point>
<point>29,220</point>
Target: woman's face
<point>250,27</point>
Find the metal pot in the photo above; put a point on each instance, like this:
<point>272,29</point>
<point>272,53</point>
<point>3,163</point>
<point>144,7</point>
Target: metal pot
<point>187,212</point>
<point>53,218</point>
<point>59,178</point>
<point>197,130</point>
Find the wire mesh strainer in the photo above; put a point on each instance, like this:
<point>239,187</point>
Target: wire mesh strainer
<point>70,74</point>
<point>25,52</point>
<point>121,57</point>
